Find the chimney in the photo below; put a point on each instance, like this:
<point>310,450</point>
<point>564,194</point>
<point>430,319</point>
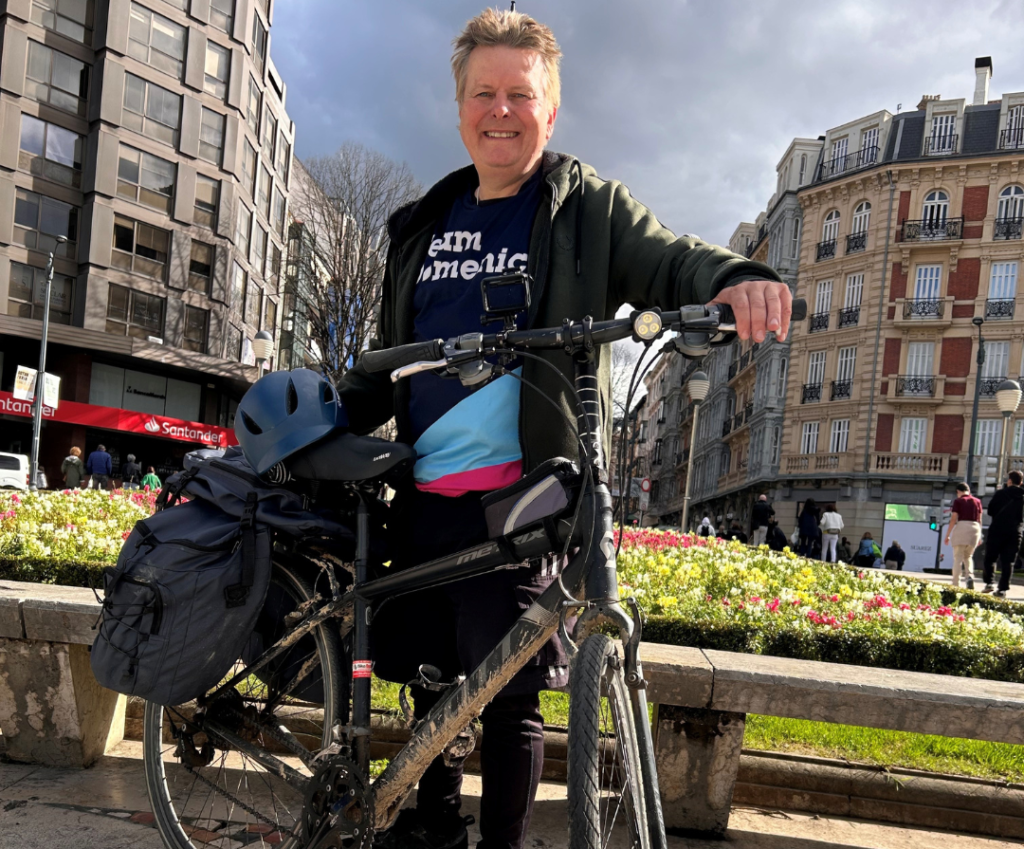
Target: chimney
<point>982,74</point>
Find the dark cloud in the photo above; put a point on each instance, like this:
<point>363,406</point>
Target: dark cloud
<point>690,103</point>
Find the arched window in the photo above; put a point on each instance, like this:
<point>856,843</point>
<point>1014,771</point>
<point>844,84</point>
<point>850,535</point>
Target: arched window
<point>830,232</point>
<point>861,218</point>
<point>936,208</point>
<point>794,250</point>
<point>803,168</point>
<point>726,462</point>
<point>1011,203</point>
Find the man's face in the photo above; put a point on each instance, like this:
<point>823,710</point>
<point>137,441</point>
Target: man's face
<point>505,119</point>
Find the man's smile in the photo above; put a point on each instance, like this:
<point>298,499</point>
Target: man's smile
<point>503,134</point>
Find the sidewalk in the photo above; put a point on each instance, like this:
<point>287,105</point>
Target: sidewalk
<point>1015,593</point>
<point>105,807</point>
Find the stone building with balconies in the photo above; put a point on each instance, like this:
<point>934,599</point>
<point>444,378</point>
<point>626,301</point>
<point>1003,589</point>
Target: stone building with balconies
<point>666,413</point>
<point>907,241</point>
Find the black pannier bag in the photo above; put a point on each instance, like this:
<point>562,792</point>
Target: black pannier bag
<point>535,500</point>
<point>181,603</point>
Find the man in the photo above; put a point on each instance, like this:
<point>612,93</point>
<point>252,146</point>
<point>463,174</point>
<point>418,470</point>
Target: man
<point>131,474</point>
<point>895,556</point>
<point>964,533</point>
<point>776,537</point>
<point>759,517</point>
<point>98,466</point>
<point>1007,511</point>
<point>736,532</point>
<point>589,248</point>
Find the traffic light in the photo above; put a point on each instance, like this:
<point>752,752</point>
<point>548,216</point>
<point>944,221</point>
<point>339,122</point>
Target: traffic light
<point>987,469</point>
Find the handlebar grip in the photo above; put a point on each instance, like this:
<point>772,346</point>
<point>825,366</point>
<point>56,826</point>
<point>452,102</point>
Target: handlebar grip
<point>726,316</point>
<point>389,359</point>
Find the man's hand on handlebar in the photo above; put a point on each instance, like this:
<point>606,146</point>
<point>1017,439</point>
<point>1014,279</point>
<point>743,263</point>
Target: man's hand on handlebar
<point>760,306</point>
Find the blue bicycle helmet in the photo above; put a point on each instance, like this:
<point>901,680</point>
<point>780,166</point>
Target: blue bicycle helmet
<point>282,413</point>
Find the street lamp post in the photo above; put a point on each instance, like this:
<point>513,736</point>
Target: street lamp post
<point>977,322</point>
<point>1008,399</point>
<point>37,407</point>
<point>263,349</point>
<point>698,386</point>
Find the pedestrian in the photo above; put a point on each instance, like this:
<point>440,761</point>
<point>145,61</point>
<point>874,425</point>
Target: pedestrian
<point>759,519</point>
<point>704,529</point>
<point>775,537</point>
<point>831,524</point>
<point>98,467</point>
<point>736,533</point>
<point>72,470</point>
<point>895,557</point>
<point>843,553</point>
<point>866,551</point>
<point>131,474</point>
<point>807,523</point>
<point>151,480</point>
<point>964,533</point>
<point>1003,541</point>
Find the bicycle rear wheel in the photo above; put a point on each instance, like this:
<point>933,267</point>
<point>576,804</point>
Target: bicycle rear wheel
<point>236,769</point>
<point>605,787</point>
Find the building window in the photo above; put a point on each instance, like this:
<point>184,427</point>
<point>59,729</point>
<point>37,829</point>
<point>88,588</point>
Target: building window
<point>50,151</point>
<point>803,168</point>
<point>145,179</point>
<point>988,437</point>
<point>139,247</point>
<point>249,169</point>
<point>263,189</point>
<point>218,68</point>
<point>1018,438</point>
<point>997,360</point>
<point>196,323</point>
<point>28,288</point>
<point>134,313</point>
<point>1011,202</point>
<point>71,18</point>
<point>1002,284</point>
<point>269,135</point>
<point>269,315</point>
<point>861,218</point>
<point>913,433</point>
<point>156,41</point>
<point>277,218</point>
<point>233,347</point>
<point>211,136</point>
<point>920,359</point>
<point>840,436</point>
<point>243,227</point>
<point>273,275</point>
<point>252,109</point>
<point>237,288</point>
<point>200,267</point>
<point>943,137</point>
<point>252,303</point>
<point>284,157</point>
<point>56,78</point>
<point>207,199</point>
<point>794,250</point>
<point>780,384</point>
<point>259,250</point>
<point>259,43</point>
<point>823,298</point>
<point>775,445</point>
<point>38,220</point>
<point>809,438</point>
<point>935,210</point>
<point>816,368</point>
<point>840,147</point>
<point>845,363</point>
<point>927,284</point>
<point>222,15</point>
<point>830,232</point>
<point>854,290</point>
<point>868,147</point>
<point>151,110</point>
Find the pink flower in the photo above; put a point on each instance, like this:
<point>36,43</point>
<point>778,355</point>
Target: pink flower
<point>773,605</point>
<point>833,598</point>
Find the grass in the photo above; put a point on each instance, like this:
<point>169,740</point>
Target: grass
<point>950,755</point>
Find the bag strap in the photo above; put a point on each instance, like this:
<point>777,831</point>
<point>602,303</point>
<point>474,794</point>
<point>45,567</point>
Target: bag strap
<point>170,494</point>
<point>236,594</point>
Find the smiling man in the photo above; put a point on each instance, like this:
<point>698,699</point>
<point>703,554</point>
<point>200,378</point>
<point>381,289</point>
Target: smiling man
<point>589,248</point>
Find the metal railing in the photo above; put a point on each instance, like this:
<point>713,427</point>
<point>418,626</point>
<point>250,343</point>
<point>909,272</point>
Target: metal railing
<point>816,322</point>
<point>1008,228</point>
<point>988,386</point>
<point>847,162</point>
<point>727,426</point>
<point>748,411</point>
<point>733,368</point>
<point>811,393</point>
<point>939,144</point>
<point>932,229</point>
<point>849,317</point>
<point>924,308</point>
<point>913,385</point>
<point>826,250</point>
<point>841,389</point>
<point>744,360</point>
<point>999,307</point>
<point>1011,139</point>
<point>737,420</point>
<point>856,242</point>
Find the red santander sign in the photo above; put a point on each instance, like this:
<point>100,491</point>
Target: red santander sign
<point>113,418</point>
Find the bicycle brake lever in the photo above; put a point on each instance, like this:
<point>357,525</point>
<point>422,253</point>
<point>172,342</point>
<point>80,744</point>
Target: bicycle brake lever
<point>416,368</point>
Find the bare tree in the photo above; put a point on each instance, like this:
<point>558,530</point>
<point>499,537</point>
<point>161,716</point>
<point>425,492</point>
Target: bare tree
<point>337,256</point>
<point>624,356</point>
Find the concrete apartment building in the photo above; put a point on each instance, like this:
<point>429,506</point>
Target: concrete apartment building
<point>882,374</point>
<point>153,135</point>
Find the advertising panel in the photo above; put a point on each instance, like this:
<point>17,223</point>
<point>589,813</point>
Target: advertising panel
<point>910,526</point>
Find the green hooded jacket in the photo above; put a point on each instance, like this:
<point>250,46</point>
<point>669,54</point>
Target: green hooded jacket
<point>593,248</point>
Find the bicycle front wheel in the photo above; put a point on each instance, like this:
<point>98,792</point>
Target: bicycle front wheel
<point>237,768</point>
<point>605,787</point>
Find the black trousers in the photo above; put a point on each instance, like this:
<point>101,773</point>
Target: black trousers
<point>1006,555</point>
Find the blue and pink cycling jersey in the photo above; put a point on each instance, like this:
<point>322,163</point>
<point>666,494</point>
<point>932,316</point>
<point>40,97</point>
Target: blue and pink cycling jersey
<point>467,438</point>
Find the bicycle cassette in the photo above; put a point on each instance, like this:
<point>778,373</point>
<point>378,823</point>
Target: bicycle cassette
<point>338,809</point>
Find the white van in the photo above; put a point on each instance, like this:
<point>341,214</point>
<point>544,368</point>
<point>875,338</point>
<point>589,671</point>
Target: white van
<point>14,471</point>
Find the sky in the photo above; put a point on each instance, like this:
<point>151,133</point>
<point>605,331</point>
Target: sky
<point>690,103</point>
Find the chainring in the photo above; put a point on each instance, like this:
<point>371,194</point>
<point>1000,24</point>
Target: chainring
<point>338,809</point>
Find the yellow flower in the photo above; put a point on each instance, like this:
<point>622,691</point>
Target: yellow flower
<point>668,601</point>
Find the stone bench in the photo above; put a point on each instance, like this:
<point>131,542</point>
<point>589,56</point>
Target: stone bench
<point>52,710</point>
<point>702,697</point>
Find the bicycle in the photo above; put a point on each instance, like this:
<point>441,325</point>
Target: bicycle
<point>279,753</point>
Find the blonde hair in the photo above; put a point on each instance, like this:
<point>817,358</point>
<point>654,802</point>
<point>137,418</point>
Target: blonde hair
<point>76,451</point>
<point>494,28</point>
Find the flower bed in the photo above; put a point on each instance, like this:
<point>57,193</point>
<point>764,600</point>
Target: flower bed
<point>718,595</point>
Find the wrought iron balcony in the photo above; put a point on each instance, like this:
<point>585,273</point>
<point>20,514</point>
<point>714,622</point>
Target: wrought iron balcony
<point>1008,228</point>
<point>909,385</point>
<point>841,389</point>
<point>849,317</point>
<point>988,386</point>
<point>826,250</point>
<point>856,242</point>
<point>933,229</point>
<point>744,360</point>
<point>817,322</point>
<point>748,411</point>
<point>737,420</point>
<point>1011,139</point>
<point>925,308</point>
<point>727,426</point>
<point>661,420</point>
<point>811,393</point>
<point>733,368</point>
<point>847,162</point>
<point>940,144</point>
<point>999,307</point>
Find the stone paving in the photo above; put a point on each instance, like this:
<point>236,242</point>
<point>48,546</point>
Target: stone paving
<point>106,807</point>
